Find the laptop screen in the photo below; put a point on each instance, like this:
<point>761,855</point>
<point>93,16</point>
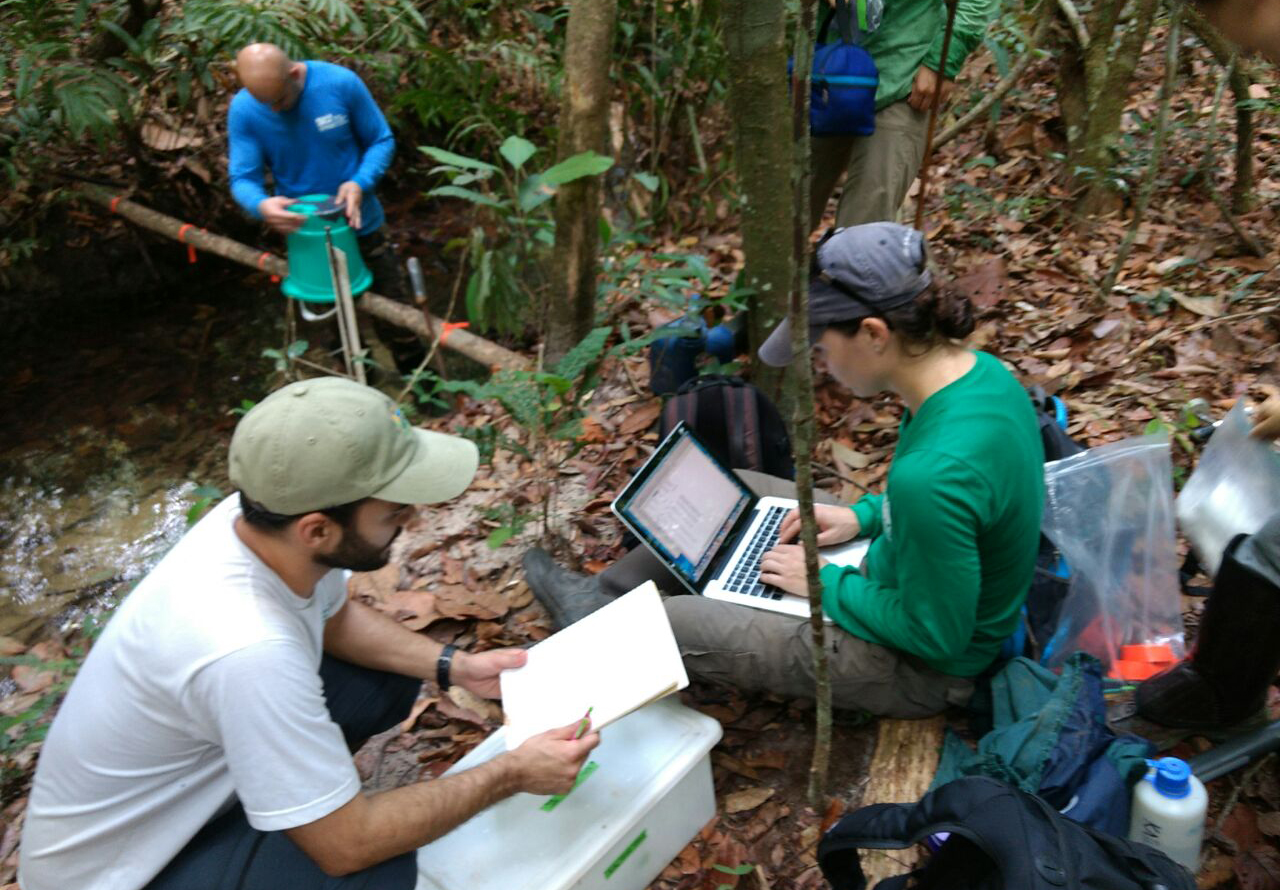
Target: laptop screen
<point>684,503</point>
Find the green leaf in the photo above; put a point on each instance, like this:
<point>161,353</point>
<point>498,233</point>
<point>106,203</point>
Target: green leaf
<point>296,348</point>
<point>517,150</point>
<point>648,180</point>
<point>453,191</point>
<point>583,355</point>
<point>743,869</point>
<point>500,536</point>
<point>586,164</point>
<point>207,491</point>
<point>453,160</point>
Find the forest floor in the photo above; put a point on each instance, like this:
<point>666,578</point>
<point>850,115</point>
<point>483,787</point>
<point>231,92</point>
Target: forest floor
<point>1193,316</point>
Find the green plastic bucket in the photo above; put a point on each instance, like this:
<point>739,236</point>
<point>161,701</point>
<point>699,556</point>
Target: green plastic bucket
<point>309,277</point>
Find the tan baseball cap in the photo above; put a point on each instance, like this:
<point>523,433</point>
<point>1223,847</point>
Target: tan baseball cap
<point>330,441</point>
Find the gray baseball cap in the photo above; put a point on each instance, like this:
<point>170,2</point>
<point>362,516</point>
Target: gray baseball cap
<point>864,270</point>
<point>320,443</point>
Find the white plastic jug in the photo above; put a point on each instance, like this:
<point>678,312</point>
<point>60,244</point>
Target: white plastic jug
<point>1168,811</point>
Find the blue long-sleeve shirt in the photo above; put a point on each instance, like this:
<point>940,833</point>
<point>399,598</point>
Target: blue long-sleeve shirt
<point>334,133</point>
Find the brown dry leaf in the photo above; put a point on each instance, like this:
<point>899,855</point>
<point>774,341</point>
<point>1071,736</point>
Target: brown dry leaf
<point>985,286</point>
<point>375,586</point>
<point>593,431</point>
<point>17,703</point>
<point>1241,828</point>
<point>416,711</point>
<point>49,650</point>
<point>32,679</point>
<point>1209,307</point>
<point>1258,870</point>
<point>162,138</point>
<point>487,711</point>
<point>1269,823</point>
<point>854,460</point>
<point>457,601</point>
<point>734,765</point>
<point>1216,870</point>
<point>640,418</point>
<point>747,799</point>
<point>766,760</point>
<point>520,595</point>
<point>415,609</point>
<point>10,647</point>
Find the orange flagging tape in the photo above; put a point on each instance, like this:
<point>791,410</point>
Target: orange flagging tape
<point>115,203</point>
<point>449,327</point>
<point>182,232</point>
<point>275,279</point>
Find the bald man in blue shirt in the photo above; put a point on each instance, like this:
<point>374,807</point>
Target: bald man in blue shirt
<point>315,126</point>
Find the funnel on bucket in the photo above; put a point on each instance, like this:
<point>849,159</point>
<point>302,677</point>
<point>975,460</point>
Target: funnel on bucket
<point>309,277</point>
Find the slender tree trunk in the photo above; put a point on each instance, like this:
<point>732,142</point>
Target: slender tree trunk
<point>584,126</point>
<point>1242,196</point>
<point>755,36</point>
<point>801,386</point>
<point>1152,175</point>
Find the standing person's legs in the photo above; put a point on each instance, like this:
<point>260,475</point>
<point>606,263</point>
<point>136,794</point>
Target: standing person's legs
<point>229,854</point>
<point>828,159</point>
<point>754,649</point>
<point>383,260</point>
<point>882,166</point>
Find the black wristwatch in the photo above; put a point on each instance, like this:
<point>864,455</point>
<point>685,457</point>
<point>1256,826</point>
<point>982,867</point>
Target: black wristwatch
<point>443,664</point>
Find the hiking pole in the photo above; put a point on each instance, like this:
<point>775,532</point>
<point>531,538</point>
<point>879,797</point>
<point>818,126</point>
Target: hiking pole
<point>348,329</point>
<point>1235,753</point>
<point>933,115</point>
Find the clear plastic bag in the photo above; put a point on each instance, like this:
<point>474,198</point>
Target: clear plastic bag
<point>1235,488</point>
<point>1109,511</point>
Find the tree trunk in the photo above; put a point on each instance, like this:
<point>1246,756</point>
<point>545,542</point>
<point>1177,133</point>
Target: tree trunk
<point>1242,196</point>
<point>1093,88</point>
<point>801,388</point>
<point>584,126</point>
<point>755,36</point>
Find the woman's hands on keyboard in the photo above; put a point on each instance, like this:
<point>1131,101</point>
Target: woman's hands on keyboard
<point>783,567</point>
<point>835,525</point>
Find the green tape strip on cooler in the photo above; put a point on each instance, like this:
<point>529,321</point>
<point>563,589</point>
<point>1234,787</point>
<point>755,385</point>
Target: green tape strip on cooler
<point>555,800</point>
<point>622,857</point>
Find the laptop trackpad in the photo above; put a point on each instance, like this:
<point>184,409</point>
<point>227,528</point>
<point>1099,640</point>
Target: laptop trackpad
<point>851,553</point>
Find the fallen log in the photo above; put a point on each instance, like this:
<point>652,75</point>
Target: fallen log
<point>902,768</point>
<point>461,341</point>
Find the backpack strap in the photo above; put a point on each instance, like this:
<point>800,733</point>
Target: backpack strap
<point>751,427</point>
<point>735,422</point>
<point>842,14</point>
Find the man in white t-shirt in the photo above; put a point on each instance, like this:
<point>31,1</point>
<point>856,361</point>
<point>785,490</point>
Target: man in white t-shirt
<point>205,744</point>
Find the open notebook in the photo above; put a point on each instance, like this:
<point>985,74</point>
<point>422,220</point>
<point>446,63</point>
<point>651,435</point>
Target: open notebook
<point>617,659</point>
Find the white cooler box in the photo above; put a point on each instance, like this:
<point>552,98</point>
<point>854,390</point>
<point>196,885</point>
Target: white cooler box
<point>642,796</point>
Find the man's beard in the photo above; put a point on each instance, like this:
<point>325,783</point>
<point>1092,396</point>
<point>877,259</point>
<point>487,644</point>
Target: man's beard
<point>357,554</point>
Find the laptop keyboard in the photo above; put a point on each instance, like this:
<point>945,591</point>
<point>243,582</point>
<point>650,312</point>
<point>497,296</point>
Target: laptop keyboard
<point>745,576</point>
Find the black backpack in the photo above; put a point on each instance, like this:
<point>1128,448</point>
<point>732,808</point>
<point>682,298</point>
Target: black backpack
<point>735,420</point>
<point>1001,838</point>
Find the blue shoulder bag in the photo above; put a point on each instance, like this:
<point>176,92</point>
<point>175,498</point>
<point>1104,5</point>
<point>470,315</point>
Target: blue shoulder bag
<point>844,80</point>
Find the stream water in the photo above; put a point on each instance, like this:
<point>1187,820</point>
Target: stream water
<point>109,426</point>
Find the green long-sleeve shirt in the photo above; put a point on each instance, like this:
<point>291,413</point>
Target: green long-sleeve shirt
<point>956,531</point>
<point>910,35</point>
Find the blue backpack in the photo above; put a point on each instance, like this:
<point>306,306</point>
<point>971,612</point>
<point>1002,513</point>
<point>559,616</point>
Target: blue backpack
<point>844,80</point>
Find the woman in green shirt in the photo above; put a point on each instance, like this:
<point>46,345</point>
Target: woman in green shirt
<point>953,537</point>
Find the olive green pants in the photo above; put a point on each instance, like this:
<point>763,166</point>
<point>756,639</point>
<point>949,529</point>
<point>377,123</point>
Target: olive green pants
<point>756,649</point>
<point>878,169</point>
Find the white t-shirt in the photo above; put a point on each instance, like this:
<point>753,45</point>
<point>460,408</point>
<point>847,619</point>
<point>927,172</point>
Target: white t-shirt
<point>203,688</point>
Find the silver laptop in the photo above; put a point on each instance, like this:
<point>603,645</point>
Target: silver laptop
<point>707,527</point>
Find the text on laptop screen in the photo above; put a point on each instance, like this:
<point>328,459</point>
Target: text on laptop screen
<point>688,505</point>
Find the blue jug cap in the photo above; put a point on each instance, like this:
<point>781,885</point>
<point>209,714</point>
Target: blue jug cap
<point>1173,776</point>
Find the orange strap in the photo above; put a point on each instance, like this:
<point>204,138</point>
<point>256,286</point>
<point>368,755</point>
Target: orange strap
<point>182,232</point>
<point>275,279</point>
<point>449,327</point>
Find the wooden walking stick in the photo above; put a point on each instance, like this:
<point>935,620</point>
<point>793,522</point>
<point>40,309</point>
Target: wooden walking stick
<point>933,115</point>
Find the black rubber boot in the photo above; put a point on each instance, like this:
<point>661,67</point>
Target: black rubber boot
<point>1237,652</point>
<point>567,595</point>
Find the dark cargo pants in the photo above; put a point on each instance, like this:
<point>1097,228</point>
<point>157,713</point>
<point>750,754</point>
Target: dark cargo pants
<point>756,649</point>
